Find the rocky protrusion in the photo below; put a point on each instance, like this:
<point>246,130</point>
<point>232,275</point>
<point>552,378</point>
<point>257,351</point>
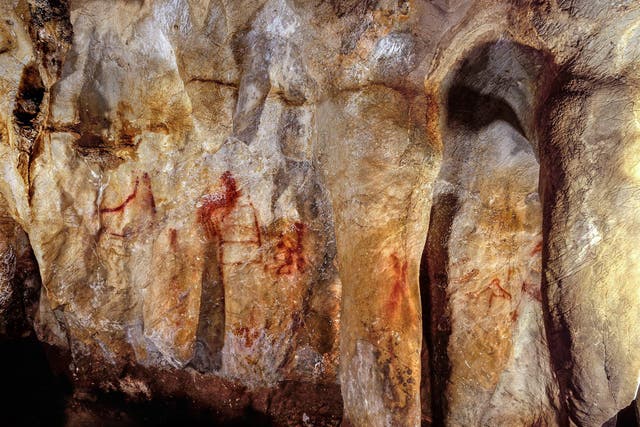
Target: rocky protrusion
<point>590,182</point>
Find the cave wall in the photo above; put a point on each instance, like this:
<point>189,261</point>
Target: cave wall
<point>427,208</point>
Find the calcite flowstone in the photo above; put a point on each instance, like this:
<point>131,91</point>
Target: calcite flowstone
<point>379,246</point>
<point>485,244</point>
<point>428,204</point>
<point>595,218</point>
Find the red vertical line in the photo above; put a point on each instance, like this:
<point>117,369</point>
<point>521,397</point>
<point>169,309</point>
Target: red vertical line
<point>152,201</point>
<point>256,224</point>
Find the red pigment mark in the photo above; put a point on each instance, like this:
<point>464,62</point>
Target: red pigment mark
<point>537,249</point>
<point>468,276</point>
<point>214,217</point>
<point>216,206</point>
<point>496,291</point>
<point>256,225</point>
<point>399,287</point>
<point>121,206</point>
<point>289,257</point>
<point>247,334</point>
<point>532,290</point>
<point>144,193</point>
<point>173,239</point>
<point>149,195</point>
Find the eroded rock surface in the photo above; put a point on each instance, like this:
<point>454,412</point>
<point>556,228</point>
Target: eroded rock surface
<point>486,242</point>
<point>428,205</point>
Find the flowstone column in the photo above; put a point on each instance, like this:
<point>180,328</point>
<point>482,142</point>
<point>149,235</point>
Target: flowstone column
<point>590,176</point>
<point>378,170</point>
<point>489,356</point>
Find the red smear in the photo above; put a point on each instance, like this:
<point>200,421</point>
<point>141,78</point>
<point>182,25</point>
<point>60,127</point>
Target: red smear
<point>149,195</point>
<point>399,288</point>
<point>173,239</point>
<point>529,289</point>
<point>216,206</point>
<point>256,225</point>
<point>289,256</point>
<point>469,276</point>
<point>121,206</point>
<point>532,290</point>
<point>249,337</point>
<point>537,249</point>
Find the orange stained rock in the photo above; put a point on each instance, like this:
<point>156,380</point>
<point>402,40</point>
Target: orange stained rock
<point>399,287</point>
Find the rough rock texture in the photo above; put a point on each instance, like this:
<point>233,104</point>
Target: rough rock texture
<point>430,206</point>
<point>19,279</point>
<point>485,244</point>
